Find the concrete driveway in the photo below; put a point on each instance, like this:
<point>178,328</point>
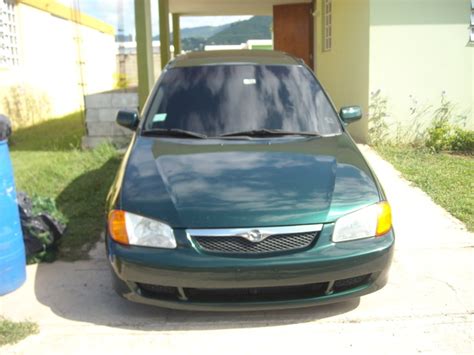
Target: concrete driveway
<point>426,307</point>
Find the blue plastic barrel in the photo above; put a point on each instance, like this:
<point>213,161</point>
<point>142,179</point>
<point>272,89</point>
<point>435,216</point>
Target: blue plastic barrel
<point>12,249</point>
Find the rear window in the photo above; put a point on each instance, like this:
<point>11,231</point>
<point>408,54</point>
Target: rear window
<point>222,99</point>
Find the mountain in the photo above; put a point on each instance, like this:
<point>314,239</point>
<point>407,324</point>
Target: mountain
<point>202,32</point>
<point>198,32</point>
<point>257,27</point>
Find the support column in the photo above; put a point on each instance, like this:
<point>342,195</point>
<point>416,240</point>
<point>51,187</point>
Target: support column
<point>164,32</point>
<point>176,35</point>
<point>144,50</point>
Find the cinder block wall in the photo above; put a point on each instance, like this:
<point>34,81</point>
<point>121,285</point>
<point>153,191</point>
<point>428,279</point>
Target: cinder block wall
<point>101,112</point>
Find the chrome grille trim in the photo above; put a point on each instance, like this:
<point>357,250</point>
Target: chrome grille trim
<point>254,241</point>
<point>234,232</point>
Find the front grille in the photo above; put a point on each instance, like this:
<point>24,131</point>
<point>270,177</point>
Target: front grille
<point>256,294</point>
<point>158,291</point>
<point>272,244</point>
<point>252,294</point>
<point>352,282</point>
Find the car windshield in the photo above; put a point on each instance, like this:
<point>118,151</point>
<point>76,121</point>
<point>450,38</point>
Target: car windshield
<point>217,100</point>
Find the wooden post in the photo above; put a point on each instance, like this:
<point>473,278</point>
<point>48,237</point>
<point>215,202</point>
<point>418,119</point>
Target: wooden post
<point>144,50</point>
<point>176,35</point>
<point>164,32</point>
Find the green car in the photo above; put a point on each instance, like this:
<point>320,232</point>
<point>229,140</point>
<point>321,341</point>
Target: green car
<point>243,190</point>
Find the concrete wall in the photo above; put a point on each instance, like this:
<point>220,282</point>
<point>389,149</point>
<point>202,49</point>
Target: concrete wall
<point>418,49</point>
<point>49,60</point>
<point>101,111</point>
<point>344,71</point>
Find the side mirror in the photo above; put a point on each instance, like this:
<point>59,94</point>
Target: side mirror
<point>350,114</point>
<point>128,119</point>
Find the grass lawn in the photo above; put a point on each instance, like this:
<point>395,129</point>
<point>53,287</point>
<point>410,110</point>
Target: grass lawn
<point>448,179</point>
<point>48,162</point>
<point>13,332</point>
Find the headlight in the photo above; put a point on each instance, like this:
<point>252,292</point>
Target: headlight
<point>132,229</point>
<point>370,221</point>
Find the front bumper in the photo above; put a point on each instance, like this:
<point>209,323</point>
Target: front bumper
<point>323,271</point>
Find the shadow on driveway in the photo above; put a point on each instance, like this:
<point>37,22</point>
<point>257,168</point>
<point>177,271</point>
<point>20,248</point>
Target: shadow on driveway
<point>82,291</point>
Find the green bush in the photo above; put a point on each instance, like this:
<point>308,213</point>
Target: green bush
<point>445,133</point>
<point>462,140</point>
<point>439,136</point>
<point>443,136</point>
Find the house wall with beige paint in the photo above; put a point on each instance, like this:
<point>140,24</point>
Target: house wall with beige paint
<point>343,69</point>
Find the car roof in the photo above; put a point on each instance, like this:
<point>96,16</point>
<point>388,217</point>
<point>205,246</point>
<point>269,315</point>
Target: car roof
<point>241,56</point>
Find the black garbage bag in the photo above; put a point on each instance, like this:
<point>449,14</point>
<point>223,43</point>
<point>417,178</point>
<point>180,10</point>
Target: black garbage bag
<point>41,231</point>
<point>5,127</point>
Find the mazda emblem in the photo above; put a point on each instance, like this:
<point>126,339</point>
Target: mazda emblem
<point>254,236</point>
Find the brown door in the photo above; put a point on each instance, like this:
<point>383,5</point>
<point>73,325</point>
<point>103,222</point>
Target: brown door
<point>293,30</point>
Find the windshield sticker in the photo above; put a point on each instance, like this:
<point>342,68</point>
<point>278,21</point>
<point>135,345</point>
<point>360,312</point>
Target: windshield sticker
<point>159,117</point>
<point>250,81</point>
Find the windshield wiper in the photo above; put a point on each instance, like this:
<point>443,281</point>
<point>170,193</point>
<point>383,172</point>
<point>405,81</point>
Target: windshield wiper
<point>269,133</point>
<point>173,132</point>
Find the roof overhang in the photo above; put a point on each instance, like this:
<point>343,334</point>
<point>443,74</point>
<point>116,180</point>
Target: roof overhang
<point>70,14</point>
<point>227,7</point>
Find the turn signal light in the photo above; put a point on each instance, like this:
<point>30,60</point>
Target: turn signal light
<point>384,220</point>
<point>117,226</point>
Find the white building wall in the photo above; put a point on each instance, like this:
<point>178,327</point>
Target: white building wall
<point>418,50</point>
<point>48,60</point>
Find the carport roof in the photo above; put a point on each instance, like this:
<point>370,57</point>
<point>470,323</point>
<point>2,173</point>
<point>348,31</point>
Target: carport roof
<point>227,7</point>
<point>234,56</point>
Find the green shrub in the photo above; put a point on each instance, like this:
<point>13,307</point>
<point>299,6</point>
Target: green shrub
<point>444,133</point>
<point>462,140</point>
<point>443,136</point>
<point>439,136</point>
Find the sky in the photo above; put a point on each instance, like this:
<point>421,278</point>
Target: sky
<point>107,10</point>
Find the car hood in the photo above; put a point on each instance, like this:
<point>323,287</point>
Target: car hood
<point>190,183</point>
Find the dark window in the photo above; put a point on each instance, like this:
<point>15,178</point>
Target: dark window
<point>219,99</point>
